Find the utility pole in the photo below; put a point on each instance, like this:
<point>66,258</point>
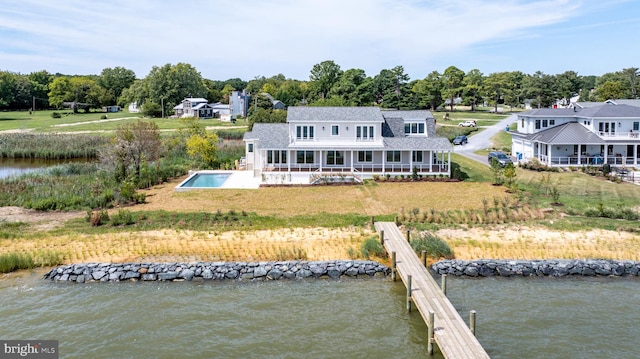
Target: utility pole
<point>162,104</point>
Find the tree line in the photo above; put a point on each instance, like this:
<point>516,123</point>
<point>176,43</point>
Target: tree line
<point>328,85</point>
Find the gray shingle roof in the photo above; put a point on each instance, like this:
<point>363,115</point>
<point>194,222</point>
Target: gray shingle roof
<point>333,114</point>
<point>270,135</point>
<point>568,133</point>
<point>417,143</point>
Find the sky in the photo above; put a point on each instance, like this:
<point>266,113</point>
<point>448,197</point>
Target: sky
<point>247,39</point>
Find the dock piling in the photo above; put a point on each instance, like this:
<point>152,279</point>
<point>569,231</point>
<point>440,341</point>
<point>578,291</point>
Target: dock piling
<point>393,266</point>
<point>443,284</point>
<point>430,332</point>
<point>409,293</point>
<point>472,321</point>
<point>424,258</point>
<point>382,237</point>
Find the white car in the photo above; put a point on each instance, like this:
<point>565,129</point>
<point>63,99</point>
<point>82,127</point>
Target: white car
<point>468,123</point>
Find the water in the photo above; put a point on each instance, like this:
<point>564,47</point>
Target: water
<point>353,318</point>
<point>206,180</point>
<point>363,318</point>
<point>18,166</point>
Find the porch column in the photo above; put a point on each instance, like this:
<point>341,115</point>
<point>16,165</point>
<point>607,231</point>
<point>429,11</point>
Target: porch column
<point>411,161</point>
<point>549,150</point>
<point>384,161</point>
<point>320,158</point>
<point>635,155</point>
<point>289,159</point>
<point>351,162</point>
<point>606,153</point>
<point>449,163</point>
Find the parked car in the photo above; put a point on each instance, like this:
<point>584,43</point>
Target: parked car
<point>468,123</point>
<point>501,157</point>
<point>460,140</point>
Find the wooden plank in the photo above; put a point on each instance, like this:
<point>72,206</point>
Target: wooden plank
<point>451,333</point>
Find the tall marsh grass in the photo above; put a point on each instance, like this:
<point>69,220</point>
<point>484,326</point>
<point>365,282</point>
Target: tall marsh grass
<point>50,146</point>
<point>10,262</point>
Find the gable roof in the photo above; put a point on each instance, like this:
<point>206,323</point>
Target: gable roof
<point>567,133</point>
<point>334,114</point>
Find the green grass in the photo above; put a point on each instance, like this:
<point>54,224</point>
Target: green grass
<point>472,170</point>
<point>41,121</point>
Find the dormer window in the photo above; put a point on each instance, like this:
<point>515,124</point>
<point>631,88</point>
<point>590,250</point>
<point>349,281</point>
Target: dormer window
<point>412,128</point>
<point>335,130</point>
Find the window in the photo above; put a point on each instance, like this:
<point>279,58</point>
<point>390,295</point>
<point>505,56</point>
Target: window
<point>276,156</point>
<point>416,156</point>
<point>636,126</point>
<point>522,123</point>
<point>250,149</point>
<point>393,156</point>
<point>537,124</point>
<point>304,132</point>
<point>304,156</point>
<point>552,122</point>
<point>335,130</point>
<point>413,127</point>
<point>364,133</point>
<point>365,156</point>
<point>545,123</point>
<point>335,157</point>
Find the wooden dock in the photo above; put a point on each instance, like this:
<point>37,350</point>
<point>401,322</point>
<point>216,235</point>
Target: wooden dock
<point>446,328</point>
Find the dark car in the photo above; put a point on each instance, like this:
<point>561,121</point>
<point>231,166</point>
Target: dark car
<point>501,157</point>
<point>460,140</point>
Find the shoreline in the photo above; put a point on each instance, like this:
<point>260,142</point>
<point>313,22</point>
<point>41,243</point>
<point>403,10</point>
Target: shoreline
<point>239,271</point>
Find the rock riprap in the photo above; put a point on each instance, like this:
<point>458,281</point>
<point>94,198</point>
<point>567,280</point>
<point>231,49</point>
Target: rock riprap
<point>549,267</point>
<point>115,272</point>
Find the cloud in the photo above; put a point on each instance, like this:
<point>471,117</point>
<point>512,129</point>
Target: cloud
<point>224,39</point>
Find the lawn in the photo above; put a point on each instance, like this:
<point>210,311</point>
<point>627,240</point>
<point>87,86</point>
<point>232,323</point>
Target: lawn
<point>41,121</point>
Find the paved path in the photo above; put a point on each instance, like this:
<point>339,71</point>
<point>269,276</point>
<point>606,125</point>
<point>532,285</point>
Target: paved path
<point>482,140</point>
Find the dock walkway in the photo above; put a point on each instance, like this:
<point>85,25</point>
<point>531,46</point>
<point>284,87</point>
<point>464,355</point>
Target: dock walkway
<point>451,334</point>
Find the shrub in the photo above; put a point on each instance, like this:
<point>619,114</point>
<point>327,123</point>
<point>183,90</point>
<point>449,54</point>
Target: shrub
<point>123,217</point>
<point>372,247</point>
<point>56,115</point>
<point>435,247</point>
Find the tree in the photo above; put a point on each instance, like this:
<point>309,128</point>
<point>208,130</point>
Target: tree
<point>40,81</point>
<point>452,84</point>
<point>611,90</point>
<point>494,86</point>
<point>7,88</point>
<point>115,80</point>
<point>59,91</point>
<point>632,75</point>
<point>203,148</point>
<point>133,145</point>
<point>428,91</point>
<point>472,87</point>
<point>348,86</point>
<point>509,173</point>
<point>173,83</point>
<point>323,76</point>
<point>498,172</point>
<point>567,84</point>
<point>540,87</point>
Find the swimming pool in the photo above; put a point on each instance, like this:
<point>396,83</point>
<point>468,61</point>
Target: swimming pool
<point>204,180</point>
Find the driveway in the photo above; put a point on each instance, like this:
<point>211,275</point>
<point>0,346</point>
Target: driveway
<point>482,140</point>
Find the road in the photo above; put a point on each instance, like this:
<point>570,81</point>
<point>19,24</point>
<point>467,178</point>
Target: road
<point>482,140</point>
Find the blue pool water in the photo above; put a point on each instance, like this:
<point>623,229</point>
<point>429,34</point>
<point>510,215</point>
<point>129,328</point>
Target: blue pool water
<point>205,180</point>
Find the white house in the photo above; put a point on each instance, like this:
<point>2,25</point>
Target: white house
<point>201,108</point>
<point>353,141</point>
<point>583,134</point>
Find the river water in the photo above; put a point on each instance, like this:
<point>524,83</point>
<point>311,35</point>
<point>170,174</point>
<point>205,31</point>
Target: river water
<point>352,318</point>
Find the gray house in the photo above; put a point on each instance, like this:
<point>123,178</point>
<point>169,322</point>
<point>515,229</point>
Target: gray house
<point>583,134</point>
<point>354,141</point>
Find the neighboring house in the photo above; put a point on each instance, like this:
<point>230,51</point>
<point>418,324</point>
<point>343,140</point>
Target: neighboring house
<point>586,133</point>
<point>221,111</point>
<point>112,108</point>
<point>239,103</point>
<point>277,104</point>
<point>194,107</point>
<point>133,107</point>
<point>356,141</point>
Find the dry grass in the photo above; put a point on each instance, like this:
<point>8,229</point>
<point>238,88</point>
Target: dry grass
<point>172,245</point>
<point>540,243</point>
<point>375,199</point>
